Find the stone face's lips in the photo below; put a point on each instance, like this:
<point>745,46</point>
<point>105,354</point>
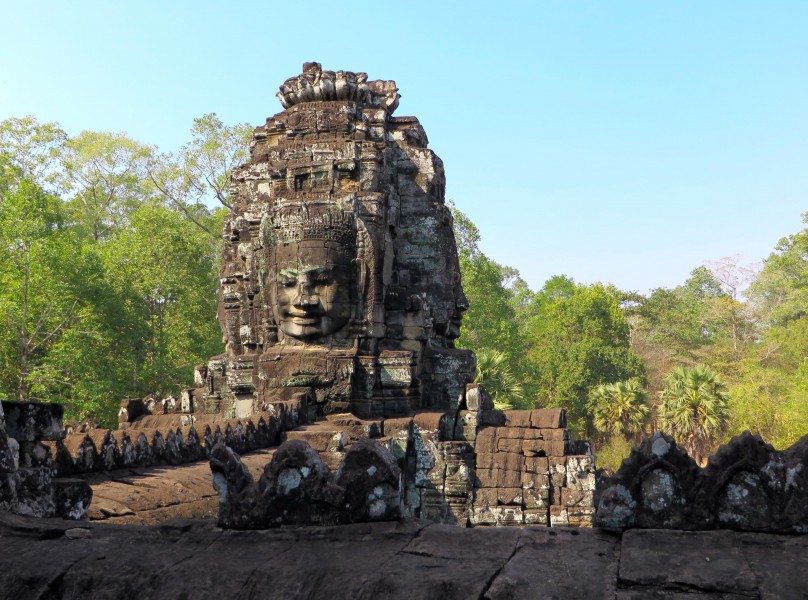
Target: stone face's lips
<point>309,320</point>
<point>306,314</point>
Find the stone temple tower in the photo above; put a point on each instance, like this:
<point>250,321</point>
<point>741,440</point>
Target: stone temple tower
<point>340,305</point>
<point>339,274</point>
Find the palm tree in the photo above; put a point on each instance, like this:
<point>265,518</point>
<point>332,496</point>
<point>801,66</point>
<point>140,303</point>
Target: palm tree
<point>494,374</point>
<point>694,408</point>
<point>620,408</point>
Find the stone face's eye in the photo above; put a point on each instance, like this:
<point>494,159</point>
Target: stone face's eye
<point>287,281</point>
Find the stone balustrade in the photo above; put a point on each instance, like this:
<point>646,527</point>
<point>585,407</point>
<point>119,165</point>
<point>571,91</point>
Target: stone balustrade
<point>746,485</point>
<point>167,444</point>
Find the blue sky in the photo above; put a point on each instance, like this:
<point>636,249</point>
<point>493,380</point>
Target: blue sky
<point>623,142</point>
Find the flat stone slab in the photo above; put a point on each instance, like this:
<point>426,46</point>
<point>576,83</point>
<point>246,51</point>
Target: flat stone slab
<point>559,563</point>
<point>44,558</point>
<point>476,556</point>
<point>779,562</point>
<point>674,562</point>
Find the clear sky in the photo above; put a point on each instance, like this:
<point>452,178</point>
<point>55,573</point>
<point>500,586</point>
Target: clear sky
<point>623,142</point>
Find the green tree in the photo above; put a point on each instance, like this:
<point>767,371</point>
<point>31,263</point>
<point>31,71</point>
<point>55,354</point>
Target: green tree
<point>106,175</point>
<point>52,297</point>
<point>498,299</point>
<point>758,401</point>
<point>769,388</point>
<point>214,149</point>
<point>490,321</point>
<point>33,148</point>
<point>558,287</point>
<point>676,318</point>
<point>161,269</point>
<point>781,289</point>
<point>694,408</point>
<point>494,374</point>
<point>40,280</point>
<point>620,408</point>
<point>200,173</point>
<point>111,292</point>
<point>198,176</point>
<point>683,325</point>
<point>467,235</point>
<point>580,341</point>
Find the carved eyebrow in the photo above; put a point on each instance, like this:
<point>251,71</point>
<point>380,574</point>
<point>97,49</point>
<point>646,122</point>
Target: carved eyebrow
<point>292,272</point>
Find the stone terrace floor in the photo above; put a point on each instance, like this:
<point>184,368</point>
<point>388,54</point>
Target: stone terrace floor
<point>410,559</point>
<point>151,495</point>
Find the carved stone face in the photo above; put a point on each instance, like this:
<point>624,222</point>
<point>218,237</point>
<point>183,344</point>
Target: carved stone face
<point>313,288</point>
<point>450,327</point>
<point>461,306</point>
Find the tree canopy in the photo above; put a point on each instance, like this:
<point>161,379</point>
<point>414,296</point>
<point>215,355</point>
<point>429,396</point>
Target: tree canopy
<point>610,357</point>
<point>107,283</point>
<point>108,275</point>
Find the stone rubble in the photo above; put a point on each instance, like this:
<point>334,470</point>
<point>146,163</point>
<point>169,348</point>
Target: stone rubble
<point>171,442</point>
<point>298,488</point>
<point>528,474</point>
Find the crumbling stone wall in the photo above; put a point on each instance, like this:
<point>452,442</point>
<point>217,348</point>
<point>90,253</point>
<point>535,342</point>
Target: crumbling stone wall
<point>27,482</point>
<point>529,472</point>
<point>154,440</point>
<point>483,467</point>
<point>746,485</point>
<point>298,488</point>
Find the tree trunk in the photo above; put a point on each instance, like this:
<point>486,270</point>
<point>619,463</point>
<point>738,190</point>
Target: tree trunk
<point>22,390</point>
<point>24,342</point>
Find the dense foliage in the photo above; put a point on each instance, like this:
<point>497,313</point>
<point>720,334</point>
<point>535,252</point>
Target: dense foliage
<point>725,351</point>
<point>108,255</point>
<point>108,252</point>
<point>620,408</point>
<point>558,342</point>
<point>694,408</point>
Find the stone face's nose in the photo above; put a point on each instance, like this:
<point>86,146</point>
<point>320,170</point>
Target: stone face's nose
<point>304,300</point>
<point>306,295</point>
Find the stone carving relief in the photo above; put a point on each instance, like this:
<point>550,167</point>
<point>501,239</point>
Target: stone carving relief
<point>340,275</point>
<point>313,281</point>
